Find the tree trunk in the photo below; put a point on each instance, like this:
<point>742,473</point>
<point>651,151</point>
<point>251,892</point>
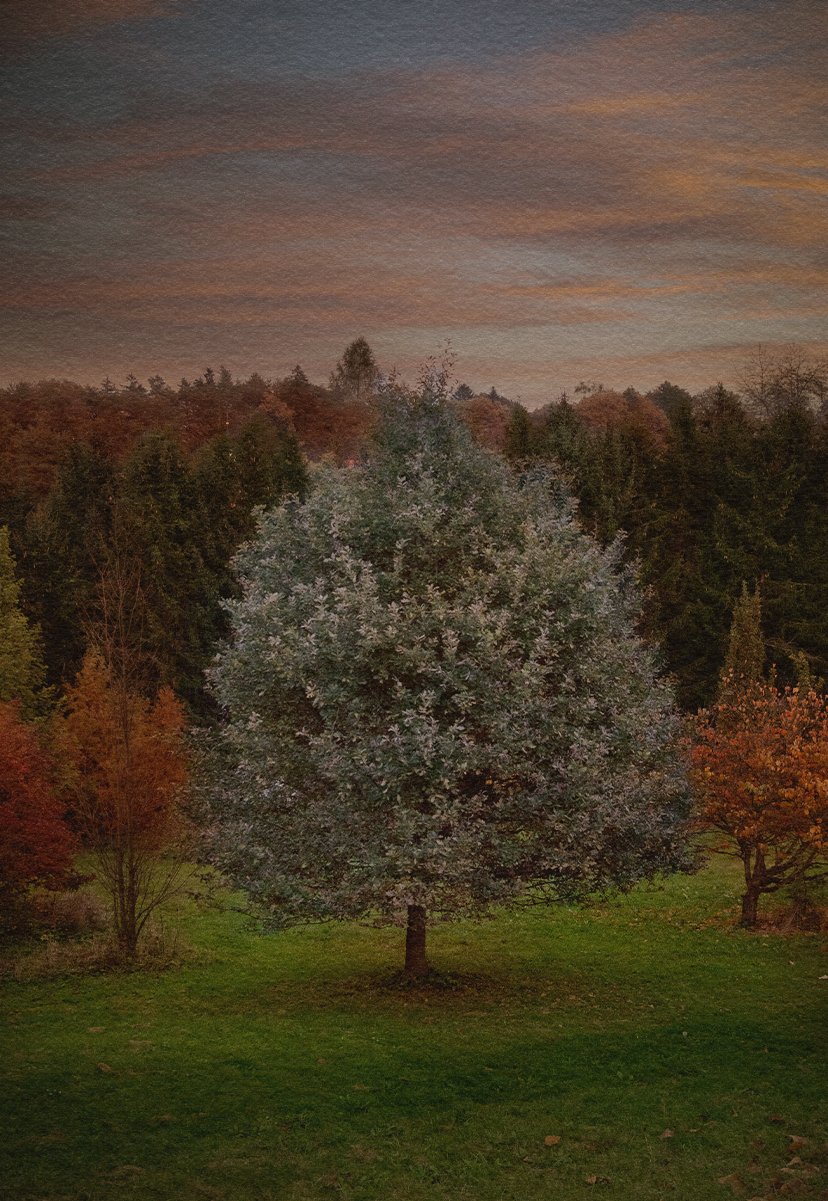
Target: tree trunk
<point>750,907</point>
<point>416,964</point>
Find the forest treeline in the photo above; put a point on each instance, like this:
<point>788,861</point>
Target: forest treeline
<point>707,491</point>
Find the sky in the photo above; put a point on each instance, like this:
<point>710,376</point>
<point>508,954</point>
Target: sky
<point>546,191</point>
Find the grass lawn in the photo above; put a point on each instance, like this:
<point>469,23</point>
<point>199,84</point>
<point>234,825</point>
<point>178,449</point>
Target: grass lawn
<point>659,1047</point>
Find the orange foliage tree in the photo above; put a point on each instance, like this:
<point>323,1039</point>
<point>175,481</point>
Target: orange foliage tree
<point>760,765</point>
<point>627,410</point>
<point>127,783</point>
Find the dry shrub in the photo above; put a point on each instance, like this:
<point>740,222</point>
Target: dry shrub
<point>158,950</point>
<point>80,912</point>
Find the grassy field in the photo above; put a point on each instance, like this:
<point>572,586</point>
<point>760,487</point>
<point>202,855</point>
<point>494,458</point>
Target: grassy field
<point>642,1049</point>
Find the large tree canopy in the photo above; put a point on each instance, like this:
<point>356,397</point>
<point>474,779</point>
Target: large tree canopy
<point>436,700</point>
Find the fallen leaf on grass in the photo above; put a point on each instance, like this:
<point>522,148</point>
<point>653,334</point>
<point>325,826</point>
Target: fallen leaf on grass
<point>797,1141</point>
<point>734,1180</point>
<point>598,1180</point>
<point>667,1134</point>
<point>103,1067</point>
<point>552,1139</point>
<point>95,1029</point>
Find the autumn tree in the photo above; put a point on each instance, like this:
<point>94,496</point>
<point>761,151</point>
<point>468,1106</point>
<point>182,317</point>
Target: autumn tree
<point>36,845</point>
<point>486,419</point>
<point>129,772</point>
<point>435,700</point>
<point>127,761</point>
<point>760,766</point>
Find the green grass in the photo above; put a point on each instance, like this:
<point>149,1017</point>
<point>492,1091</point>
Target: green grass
<point>292,1067</point>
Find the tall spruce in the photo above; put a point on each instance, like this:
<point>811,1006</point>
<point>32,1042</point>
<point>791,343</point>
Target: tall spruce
<point>745,661</point>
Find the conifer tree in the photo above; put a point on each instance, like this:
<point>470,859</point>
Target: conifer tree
<point>745,660</point>
<point>22,671</point>
<point>520,439</point>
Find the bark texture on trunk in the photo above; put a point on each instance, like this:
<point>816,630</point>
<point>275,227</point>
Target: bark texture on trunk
<point>755,878</point>
<point>750,908</point>
<point>416,963</point>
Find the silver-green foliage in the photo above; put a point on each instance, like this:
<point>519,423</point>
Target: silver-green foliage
<point>435,695</point>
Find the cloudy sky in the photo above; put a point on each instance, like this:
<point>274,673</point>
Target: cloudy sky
<point>617,190</point>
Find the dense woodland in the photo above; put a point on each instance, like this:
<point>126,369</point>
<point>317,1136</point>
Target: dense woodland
<point>121,512</point>
<point>706,491</point>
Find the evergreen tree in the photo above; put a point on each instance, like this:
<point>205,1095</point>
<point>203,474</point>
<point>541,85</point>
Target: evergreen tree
<point>744,665</point>
<point>693,539</point>
<point>159,520</point>
<point>669,396</point>
<point>520,441</point>
<point>22,672</point>
<point>436,700</point>
<point>61,540</point>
